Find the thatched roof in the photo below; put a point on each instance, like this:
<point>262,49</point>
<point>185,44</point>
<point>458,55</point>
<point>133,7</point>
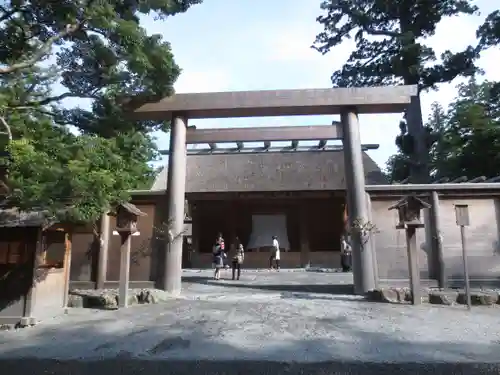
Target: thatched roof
<point>269,172</point>
<point>13,218</point>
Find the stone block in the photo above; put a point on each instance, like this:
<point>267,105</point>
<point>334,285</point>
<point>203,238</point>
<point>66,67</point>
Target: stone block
<point>108,299</point>
<point>442,297</point>
<point>75,300</point>
<point>481,298</point>
<point>387,295</point>
<point>393,295</point>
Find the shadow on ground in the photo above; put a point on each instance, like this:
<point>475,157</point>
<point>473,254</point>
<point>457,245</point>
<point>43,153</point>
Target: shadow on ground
<point>336,289</point>
<point>163,346</point>
<point>129,367</point>
<point>199,337</point>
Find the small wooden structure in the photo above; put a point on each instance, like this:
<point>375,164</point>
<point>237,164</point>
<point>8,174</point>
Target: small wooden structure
<point>126,218</point>
<point>35,255</point>
<point>409,209</point>
<point>127,215</point>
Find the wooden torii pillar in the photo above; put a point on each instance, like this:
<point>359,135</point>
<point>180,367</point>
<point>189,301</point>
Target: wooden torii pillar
<point>345,219</point>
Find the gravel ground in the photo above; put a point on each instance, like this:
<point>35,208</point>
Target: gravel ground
<point>135,367</point>
<point>249,326</point>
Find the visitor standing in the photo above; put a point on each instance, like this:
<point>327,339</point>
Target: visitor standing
<point>275,254</point>
<point>238,259</point>
<point>346,255</point>
<point>218,256</point>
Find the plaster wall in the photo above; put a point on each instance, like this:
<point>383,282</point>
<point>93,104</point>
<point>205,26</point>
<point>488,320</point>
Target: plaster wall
<point>482,238</point>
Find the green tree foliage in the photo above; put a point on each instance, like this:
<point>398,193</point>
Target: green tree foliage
<point>489,32</point>
<point>390,41</point>
<point>90,50</point>
<point>390,49</point>
<point>469,134</point>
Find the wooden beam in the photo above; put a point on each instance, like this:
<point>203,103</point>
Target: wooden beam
<point>254,150</point>
<point>258,150</point>
<point>477,179</point>
<point>459,180</point>
<point>441,180</point>
<point>425,188</point>
<point>275,133</point>
<point>384,99</point>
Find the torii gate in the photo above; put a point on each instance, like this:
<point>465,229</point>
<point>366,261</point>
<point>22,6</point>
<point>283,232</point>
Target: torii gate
<point>348,102</point>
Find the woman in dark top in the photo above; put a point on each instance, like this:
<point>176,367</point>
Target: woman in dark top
<point>219,255</point>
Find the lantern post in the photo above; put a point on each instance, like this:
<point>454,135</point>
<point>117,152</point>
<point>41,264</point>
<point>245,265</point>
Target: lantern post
<point>126,226</point>
<point>462,218</point>
<point>409,209</point>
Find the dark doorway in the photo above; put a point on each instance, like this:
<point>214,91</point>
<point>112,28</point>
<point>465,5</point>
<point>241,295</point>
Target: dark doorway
<point>17,249</point>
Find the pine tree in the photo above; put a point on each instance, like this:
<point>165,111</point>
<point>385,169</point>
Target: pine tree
<point>390,49</point>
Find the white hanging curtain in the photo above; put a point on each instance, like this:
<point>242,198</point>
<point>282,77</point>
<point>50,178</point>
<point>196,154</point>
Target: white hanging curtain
<point>264,227</point>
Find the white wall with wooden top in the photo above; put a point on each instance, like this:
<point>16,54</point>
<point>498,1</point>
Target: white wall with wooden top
<point>482,239</point>
<point>390,243</point>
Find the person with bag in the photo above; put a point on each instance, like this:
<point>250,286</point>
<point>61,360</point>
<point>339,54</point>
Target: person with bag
<point>238,259</point>
<point>219,255</point>
<point>275,254</point>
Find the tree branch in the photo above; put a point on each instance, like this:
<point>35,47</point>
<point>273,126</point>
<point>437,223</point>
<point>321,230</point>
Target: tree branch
<point>8,13</point>
<point>391,34</point>
<point>51,99</point>
<point>7,127</point>
<point>355,14</point>
<point>57,98</point>
<point>44,50</point>
<point>48,113</point>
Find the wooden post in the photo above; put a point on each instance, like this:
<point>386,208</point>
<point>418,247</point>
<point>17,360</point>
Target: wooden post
<point>195,235</point>
<point>176,192</point>
<point>196,230</point>
<point>30,298</point>
<point>409,212</point>
<point>102,266</point>
<point>126,241</point>
<point>463,220</point>
<point>411,244</point>
<point>372,240</point>
<point>436,245</point>
<point>231,215</point>
<point>67,266</point>
<point>304,237</point>
<point>466,267</point>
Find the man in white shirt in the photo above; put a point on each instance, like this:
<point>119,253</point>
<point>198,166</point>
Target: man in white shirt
<point>275,254</point>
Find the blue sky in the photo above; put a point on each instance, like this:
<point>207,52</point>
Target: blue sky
<point>226,45</point>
